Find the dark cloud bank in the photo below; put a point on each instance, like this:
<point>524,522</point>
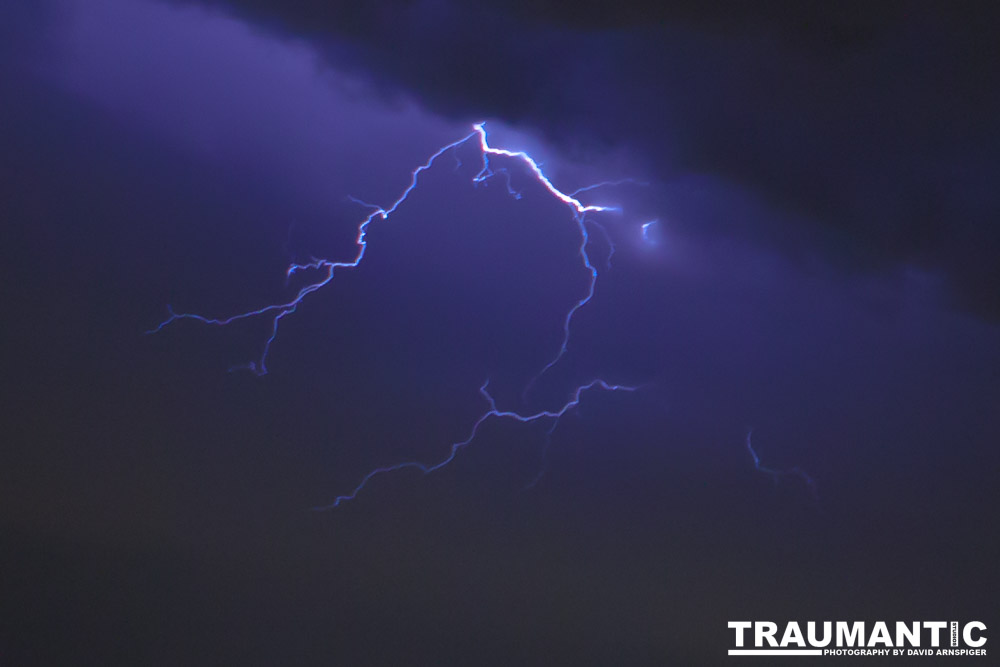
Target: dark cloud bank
<point>873,124</point>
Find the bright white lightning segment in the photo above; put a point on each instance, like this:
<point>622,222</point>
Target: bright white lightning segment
<point>579,211</point>
<point>645,230</point>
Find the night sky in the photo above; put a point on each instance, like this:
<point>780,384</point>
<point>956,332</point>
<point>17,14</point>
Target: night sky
<point>823,269</point>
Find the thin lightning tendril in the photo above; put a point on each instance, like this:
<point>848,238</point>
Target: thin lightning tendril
<point>607,239</point>
<point>604,184</point>
<point>328,268</point>
<point>778,474</point>
<point>493,411</point>
<point>283,309</point>
<point>645,230</point>
<point>578,209</point>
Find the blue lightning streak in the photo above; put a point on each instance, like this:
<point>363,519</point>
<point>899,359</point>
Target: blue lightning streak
<point>778,474</point>
<point>607,239</point>
<point>287,308</point>
<point>604,184</point>
<point>544,457</point>
<point>645,230</point>
<point>328,268</point>
<point>492,411</point>
<point>579,210</point>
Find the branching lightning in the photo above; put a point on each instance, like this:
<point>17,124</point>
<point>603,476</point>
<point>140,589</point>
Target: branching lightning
<point>328,268</point>
<point>579,211</point>
<point>492,411</point>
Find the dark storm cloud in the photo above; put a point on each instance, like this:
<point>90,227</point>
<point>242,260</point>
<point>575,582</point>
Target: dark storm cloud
<point>873,126</point>
<point>151,505</point>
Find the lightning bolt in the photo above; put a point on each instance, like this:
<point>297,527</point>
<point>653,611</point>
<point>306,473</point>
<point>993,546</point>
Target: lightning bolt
<point>579,210</point>
<point>604,184</point>
<point>492,411</point>
<point>645,230</point>
<point>328,268</point>
<point>778,474</point>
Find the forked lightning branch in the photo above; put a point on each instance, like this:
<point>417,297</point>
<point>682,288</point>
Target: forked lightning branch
<point>856,638</point>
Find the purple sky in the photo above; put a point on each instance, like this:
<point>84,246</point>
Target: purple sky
<point>799,282</point>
